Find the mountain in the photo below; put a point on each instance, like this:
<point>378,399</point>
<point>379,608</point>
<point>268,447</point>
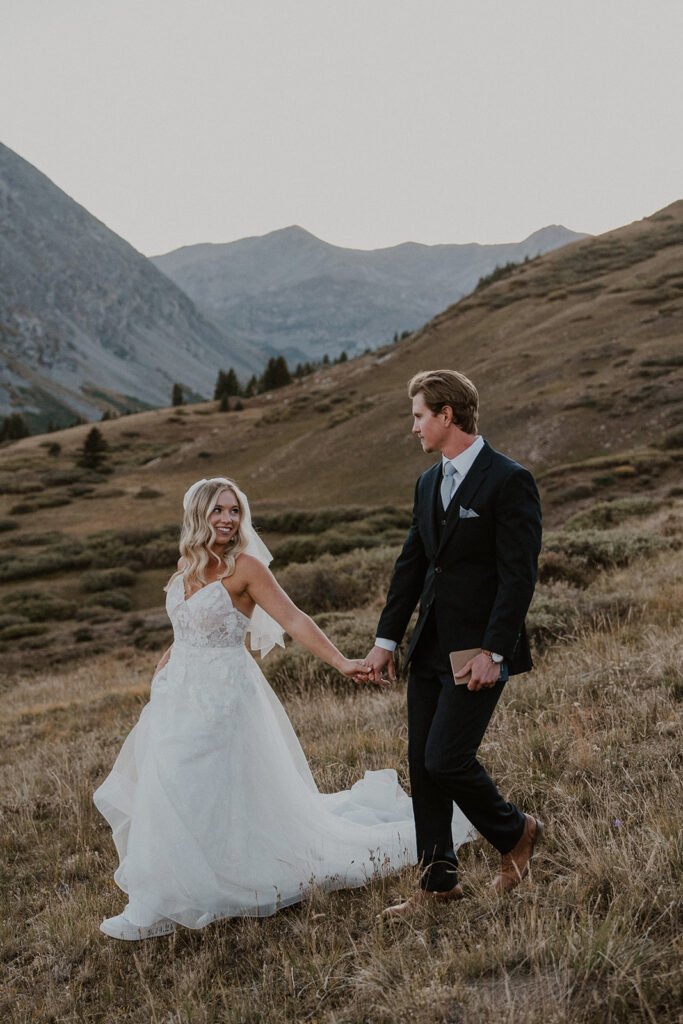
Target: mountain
<point>289,292</point>
<point>86,322</point>
<point>576,355</point>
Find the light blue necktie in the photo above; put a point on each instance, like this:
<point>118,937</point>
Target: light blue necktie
<point>447,484</point>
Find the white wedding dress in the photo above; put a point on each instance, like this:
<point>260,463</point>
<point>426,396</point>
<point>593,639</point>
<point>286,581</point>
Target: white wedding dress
<point>213,807</point>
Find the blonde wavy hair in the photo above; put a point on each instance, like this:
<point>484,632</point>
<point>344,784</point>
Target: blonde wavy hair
<point>198,535</point>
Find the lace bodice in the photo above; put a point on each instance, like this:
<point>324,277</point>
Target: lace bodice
<point>207,618</point>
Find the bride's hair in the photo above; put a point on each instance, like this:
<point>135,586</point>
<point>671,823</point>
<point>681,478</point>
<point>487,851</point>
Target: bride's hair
<point>198,535</point>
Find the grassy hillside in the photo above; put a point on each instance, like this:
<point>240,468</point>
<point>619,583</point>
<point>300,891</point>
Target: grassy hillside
<point>590,741</point>
<point>583,387</point>
<point>578,358</point>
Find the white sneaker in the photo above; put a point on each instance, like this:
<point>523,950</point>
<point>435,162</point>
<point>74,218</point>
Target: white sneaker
<point>120,927</point>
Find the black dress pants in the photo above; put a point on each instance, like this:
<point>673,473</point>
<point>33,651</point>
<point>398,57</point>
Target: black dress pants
<point>446,724</point>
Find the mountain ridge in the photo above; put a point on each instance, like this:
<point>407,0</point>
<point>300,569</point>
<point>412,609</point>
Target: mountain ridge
<point>290,292</point>
<point>81,310</point>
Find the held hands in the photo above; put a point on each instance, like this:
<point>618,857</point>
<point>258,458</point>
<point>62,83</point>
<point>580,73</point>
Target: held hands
<point>376,661</point>
<point>360,672</point>
<point>484,672</point>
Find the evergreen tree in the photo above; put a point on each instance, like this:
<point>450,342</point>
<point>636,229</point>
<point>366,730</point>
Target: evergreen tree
<point>177,395</point>
<point>93,451</point>
<point>226,384</point>
<point>276,374</point>
<point>251,386</point>
<point>13,427</point>
<point>326,360</point>
<point>224,403</point>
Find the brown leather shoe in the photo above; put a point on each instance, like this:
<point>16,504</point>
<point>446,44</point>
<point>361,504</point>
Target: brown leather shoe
<point>422,898</point>
<point>515,864</point>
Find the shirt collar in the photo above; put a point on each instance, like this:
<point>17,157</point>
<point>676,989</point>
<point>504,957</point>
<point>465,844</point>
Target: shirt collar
<point>462,463</point>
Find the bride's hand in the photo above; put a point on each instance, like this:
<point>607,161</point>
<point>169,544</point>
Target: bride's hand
<point>359,671</point>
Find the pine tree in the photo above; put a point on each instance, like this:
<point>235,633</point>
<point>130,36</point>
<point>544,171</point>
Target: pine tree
<point>13,427</point>
<point>226,384</point>
<point>276,374</point>
<point>93,451</point>
<point>177,395</point>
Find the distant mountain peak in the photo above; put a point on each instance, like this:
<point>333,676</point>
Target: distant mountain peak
<point>290,292</point>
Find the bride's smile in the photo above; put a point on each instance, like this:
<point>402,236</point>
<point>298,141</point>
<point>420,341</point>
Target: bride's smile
<point>225,517</point>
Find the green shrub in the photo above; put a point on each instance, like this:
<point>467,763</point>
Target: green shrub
<point>95,581</point>
<point>59,559</point>
<point>672,438</point>
<point>306,521</point>
<point>149,492</point>
<point>40,501</point>
<point>116,599</point>
<point>67,475</point>
<point>308,548</point>
<point>577,555</point>
<point>333,584</point>
<point>10,485</point>
<point>22,630</point>
<point>558,612</point>
<point>11,620</point>
<point>605,514</point>
<point>39,606</point>
<point>574,493</point>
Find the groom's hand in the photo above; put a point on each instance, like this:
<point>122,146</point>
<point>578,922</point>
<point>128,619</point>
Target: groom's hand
<point>377,660</point>
<point>485,673</point>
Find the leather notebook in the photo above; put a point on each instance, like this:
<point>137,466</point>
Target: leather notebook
<point>458,660</point>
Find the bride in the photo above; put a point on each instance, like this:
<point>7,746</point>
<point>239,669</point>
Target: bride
<point>212,805</point>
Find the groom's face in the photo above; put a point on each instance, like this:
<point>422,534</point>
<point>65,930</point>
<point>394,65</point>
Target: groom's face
<point>429,427</point>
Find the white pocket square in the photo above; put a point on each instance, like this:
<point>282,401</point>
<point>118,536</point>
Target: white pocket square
<point>468,513</point>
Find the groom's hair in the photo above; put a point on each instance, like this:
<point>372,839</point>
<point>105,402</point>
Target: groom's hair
<point>448,387</point>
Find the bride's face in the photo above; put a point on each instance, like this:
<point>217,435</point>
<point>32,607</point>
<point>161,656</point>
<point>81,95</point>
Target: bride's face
<point>225,517</point>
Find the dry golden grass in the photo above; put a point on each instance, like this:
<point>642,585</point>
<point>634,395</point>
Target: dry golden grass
<point>590,741</point>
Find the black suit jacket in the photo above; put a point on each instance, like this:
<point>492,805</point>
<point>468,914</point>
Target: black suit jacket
<point>476,573</point>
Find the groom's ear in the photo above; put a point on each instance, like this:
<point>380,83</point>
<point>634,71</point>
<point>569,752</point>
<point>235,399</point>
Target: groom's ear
<point>447,413</point>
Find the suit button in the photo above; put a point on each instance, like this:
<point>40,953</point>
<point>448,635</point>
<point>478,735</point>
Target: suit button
<point>437,569</point>
<point>443,522</point>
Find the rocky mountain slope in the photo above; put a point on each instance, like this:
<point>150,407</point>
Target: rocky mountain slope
<point>290,292</point>
<point>577,357</point>
<point>86,322</point>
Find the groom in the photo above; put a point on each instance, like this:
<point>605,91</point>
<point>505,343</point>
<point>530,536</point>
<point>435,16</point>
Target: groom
<point>470,558</point>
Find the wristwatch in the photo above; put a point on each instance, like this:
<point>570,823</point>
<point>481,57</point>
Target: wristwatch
<point>497,659</point>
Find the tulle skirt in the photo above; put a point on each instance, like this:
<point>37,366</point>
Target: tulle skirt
<point>214,810</point>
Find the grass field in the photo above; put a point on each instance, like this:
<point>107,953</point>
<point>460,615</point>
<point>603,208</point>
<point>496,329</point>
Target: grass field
<point>577,356</point>
<point>590,741</point>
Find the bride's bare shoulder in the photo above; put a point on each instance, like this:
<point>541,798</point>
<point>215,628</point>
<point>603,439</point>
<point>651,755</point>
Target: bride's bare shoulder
<point>247,566</point>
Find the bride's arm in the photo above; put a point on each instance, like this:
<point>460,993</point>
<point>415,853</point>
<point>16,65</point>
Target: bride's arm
<point>265,591</point>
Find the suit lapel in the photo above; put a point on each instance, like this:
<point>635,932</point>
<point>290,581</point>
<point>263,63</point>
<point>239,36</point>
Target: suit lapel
<point>466,493</point>
<point>428,506</point>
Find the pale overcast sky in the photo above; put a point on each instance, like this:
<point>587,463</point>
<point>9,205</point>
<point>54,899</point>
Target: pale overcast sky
<point>368,122</point>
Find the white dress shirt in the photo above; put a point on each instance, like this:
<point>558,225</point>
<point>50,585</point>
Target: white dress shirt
<point>462,464</point>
